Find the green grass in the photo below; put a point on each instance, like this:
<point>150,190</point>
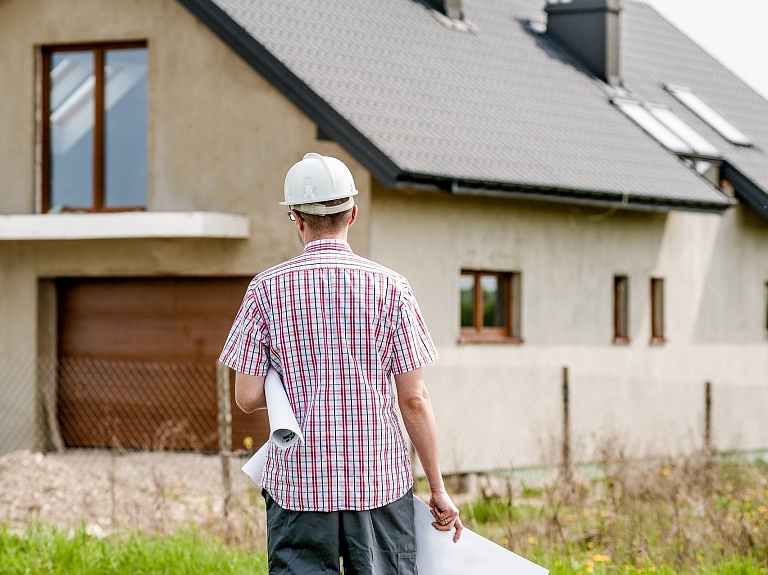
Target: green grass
<point>47,551</point>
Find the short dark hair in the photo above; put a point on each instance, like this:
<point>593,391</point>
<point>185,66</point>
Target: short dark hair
<point>328,224</point>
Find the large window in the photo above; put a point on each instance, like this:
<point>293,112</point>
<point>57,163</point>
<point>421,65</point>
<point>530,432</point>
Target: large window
<point>490,307</point>
<point>621,309</point>
<point>657,311</point>
<point>94,155</point>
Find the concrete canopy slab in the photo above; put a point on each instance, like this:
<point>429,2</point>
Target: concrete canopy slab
<point>124,225</point>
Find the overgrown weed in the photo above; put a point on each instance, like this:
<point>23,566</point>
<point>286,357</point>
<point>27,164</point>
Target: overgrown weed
<point>696,514</point>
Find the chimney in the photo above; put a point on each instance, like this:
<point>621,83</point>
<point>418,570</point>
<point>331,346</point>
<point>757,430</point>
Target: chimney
<point>451,8</point>
<point>589,29</point>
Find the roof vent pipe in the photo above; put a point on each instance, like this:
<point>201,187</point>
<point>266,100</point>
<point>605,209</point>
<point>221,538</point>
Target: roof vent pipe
<point>451,8</point>
<point>590,30</point>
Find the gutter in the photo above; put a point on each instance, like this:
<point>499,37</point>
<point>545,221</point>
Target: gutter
<point>623,200</point>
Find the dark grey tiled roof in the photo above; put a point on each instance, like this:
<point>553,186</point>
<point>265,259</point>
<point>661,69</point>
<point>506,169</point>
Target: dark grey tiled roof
<point>502,106</point>
<point>648,42</point>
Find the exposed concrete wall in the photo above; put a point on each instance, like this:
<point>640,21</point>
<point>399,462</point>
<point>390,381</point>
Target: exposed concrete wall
<point>220,138</point>
<point>715,269</point>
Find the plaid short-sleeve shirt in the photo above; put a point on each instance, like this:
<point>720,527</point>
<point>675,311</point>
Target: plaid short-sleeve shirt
<point>336,327</point>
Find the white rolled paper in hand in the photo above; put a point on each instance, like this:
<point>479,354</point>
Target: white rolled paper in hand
<point>284,430</point>
<point>437,554</point>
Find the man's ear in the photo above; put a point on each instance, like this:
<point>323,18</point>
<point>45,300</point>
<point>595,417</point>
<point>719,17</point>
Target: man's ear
<point>353,217</point>
<point>299,221</point>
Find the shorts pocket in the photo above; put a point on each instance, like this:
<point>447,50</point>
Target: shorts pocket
<point>406,564</point>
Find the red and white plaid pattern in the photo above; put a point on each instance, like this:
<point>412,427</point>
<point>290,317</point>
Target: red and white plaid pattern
<point>336,327</point>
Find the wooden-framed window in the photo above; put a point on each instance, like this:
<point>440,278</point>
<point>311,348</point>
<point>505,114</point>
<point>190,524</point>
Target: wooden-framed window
<point>490,307</point>
<point>94,129</point>
<point>620,309</point>
<point>657,311</point>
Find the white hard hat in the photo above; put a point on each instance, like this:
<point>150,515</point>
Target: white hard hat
<point>318,179</point>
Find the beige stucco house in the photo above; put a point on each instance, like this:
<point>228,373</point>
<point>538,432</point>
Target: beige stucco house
<point>553,183</point>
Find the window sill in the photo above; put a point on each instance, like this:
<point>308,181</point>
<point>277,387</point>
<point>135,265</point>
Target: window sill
<point>621,341</point>
<point>489,339</point>
<point>123,225</point>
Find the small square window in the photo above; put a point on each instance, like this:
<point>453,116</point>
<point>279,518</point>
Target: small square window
<point>765,311</point>
<point>657,311</point>
<point>621,309</point>
<point>490,306</point>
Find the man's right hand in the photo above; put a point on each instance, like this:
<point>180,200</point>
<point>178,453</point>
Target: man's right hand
<point>446,514</point>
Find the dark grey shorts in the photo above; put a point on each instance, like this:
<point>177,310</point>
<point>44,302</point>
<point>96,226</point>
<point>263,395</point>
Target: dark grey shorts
<point>379,541</point>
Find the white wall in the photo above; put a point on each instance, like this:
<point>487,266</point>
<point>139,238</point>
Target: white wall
<point>715,270</point>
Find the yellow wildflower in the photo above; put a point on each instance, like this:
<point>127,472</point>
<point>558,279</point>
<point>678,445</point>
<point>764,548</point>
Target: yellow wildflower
<point>532,540</point>
<point>602,558</point>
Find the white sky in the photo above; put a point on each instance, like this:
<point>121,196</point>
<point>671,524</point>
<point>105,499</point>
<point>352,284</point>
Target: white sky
<point>733,31</point>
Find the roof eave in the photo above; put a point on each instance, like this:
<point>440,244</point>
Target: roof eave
<point>295,89</point>
<point>746,190</point>
<point>621,200</point>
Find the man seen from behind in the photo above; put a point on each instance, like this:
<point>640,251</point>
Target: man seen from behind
<point>338,328</point>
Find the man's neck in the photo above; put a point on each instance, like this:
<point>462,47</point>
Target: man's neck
<point>314,237</point>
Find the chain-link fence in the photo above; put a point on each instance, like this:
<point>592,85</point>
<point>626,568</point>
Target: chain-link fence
<point>154,445</point>
<point>117,443</point>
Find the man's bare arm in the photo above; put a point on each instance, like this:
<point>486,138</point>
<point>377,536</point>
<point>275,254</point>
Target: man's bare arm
<point>416,408</point>
<point>249,392</point>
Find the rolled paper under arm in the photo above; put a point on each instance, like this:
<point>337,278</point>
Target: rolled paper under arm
<point>284,430</point>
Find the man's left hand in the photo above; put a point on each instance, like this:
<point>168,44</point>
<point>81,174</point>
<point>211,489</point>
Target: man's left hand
<point>446,514</point>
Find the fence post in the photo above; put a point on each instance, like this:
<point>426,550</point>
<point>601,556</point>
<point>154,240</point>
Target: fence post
<point>708,418</point>
<point>566,461</point>
<point>225,432</point>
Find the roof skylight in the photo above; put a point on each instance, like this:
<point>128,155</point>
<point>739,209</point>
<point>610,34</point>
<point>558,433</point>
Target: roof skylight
<point>668,128</point>
<point>704,111</point>
<point>690,136</point>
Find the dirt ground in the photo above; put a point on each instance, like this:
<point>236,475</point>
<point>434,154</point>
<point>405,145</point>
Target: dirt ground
<point>155,492</point>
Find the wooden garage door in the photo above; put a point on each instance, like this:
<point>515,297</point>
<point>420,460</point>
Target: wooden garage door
<point>137,362</point>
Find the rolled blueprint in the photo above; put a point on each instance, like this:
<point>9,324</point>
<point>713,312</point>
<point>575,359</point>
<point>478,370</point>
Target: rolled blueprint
<point>284,430</point>
<point>254,467</point>
<point>436,553</point>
